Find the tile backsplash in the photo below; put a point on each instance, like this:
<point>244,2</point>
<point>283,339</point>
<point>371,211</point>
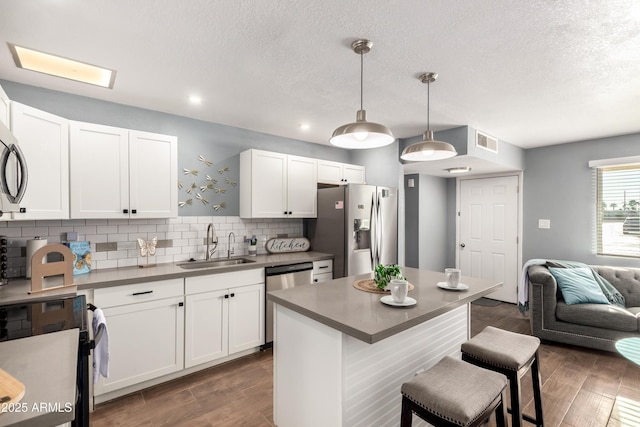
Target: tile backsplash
<point>113,241</point>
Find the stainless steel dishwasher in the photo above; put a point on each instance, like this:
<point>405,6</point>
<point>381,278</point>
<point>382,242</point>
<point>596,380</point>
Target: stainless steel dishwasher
<point>283,277</point>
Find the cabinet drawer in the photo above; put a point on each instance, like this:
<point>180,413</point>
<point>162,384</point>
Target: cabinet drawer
<point>141,292</point>
<point>322,277</point>
<point>325,266</point>
<point>220,281</point>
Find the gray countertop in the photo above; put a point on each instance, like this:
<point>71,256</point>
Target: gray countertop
<point>360,314</point>
<point>16,291</point>
<point>46,365</point>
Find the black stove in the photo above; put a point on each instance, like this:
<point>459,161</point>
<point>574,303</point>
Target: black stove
<point>44,317</point>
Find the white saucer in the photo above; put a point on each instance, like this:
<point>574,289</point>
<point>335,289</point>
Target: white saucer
<point>388,299</point>
<point>460,287</point>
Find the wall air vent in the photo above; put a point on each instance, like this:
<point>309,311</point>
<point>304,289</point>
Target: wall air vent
<point>487,142</point>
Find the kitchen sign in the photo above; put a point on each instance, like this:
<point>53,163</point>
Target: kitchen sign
<point>288,244</point>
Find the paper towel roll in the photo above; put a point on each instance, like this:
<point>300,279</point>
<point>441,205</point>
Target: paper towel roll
<point>32,246</point>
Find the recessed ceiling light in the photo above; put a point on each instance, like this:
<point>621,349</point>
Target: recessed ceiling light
<point>304,126</point>
<point>462,169</point>
<point>57,66</point>
<point>195,99</point>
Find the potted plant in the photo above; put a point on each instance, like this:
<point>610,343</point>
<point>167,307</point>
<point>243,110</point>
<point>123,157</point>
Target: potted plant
<point>384,274</point>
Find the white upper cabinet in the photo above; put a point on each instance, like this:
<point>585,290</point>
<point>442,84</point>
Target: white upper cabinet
<point>44,141</point>
<point>5,109</point>
<point>118,173</point>
<point>275,185</point>
<point>153,175</point>
<point>340,173</point>
<point>302,187</point>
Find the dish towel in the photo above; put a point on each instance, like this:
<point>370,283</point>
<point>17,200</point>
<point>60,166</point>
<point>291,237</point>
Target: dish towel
<point>101,350</point>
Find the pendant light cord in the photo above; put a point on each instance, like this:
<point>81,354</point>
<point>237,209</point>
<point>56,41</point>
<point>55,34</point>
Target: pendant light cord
<point>361,77</point>
<point>428,97</point>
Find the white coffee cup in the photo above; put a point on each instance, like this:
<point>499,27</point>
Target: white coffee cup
<point>453,277</point>
<point>399,289</point>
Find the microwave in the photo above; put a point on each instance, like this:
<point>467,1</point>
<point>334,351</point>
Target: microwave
<point>13,174</point>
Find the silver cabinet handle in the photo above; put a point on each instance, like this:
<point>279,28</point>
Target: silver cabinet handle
<point>462,245</point>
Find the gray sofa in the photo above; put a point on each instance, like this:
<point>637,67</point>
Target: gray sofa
<point>596,326</point>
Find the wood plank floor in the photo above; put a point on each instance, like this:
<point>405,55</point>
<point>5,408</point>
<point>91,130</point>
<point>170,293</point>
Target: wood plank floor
<point>581,388</point>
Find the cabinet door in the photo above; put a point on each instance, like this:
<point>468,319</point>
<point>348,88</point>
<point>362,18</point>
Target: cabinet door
<point>353,174</point>
<point>5,103</point>
<point>268,184</point>
<point>99,164</point>
<point>329,172</point>
<point>246,317</point>
<point>206,328</point>
<point>146,341</point>
<point>153,175</point>
<point>302,186</point>
<point>44,140</point>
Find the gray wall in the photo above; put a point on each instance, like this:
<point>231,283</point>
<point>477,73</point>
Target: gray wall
<point>433,222</point>
<point>560,186</point>
<point>428,222</point>
<point>412,221</point>
<point>217,143</point>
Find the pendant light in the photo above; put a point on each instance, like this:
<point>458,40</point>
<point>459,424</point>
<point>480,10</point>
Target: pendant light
<point>361,133</point>
<point>428,149</point>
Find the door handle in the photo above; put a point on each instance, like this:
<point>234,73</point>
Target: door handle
<point>462,245</point>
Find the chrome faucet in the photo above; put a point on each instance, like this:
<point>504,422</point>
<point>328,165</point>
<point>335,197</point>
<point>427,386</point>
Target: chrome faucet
<point>211,240</point>
<point>230,250</point>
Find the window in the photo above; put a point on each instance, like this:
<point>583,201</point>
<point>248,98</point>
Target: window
<point>618,210</point>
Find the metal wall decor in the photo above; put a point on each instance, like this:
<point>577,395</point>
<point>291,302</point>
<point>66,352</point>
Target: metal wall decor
<point>208,184</point>
<point>205,161</point>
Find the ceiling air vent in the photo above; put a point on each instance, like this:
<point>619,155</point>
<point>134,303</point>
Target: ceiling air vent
<point>487,142</point>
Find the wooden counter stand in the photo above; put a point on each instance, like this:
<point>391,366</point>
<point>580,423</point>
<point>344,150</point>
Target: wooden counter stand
<point>41,269</point>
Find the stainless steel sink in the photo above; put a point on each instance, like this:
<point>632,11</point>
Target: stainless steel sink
<point>192,265</point>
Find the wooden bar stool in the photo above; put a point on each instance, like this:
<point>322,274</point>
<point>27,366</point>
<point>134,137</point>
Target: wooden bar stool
<point>513,355</point>
<point>454,393</point>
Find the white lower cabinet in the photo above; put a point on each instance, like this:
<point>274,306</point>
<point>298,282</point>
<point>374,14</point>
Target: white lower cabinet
<point>146,332</point>
<point>224,315</point>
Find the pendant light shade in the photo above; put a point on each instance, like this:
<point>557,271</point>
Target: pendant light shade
<point>361,133</point>
<point>428,148</point>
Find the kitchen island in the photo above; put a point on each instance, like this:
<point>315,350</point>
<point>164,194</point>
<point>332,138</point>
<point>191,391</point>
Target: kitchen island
<point>341,355</point>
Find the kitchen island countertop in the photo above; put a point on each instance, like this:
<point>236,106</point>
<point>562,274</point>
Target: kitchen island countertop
<point>339,305</point>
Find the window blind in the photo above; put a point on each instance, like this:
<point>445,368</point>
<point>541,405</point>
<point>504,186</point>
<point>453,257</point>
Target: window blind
<point>618,210</point>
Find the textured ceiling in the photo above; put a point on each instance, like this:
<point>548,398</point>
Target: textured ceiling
<point>531,73</point>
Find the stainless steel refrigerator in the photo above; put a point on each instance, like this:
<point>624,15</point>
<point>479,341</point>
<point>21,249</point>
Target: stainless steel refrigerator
<point>358,224</point>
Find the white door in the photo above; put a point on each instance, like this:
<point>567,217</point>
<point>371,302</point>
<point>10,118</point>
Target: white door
<point>302,185</point>
<point>268,184</point>
<point>153,174</point>
<point>146,341</point>
<point>99,165</point>
<point>44,140</point>
<point>206,327</point>
<point>246,317</point>
<point>353,174</point>
<point>488,238</point>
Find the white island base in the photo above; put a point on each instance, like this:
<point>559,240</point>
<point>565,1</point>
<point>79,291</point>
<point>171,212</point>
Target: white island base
<point>324,377</point>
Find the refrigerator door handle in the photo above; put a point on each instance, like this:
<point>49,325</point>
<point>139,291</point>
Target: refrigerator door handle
<point>373,232</point>
<point>378,228</point>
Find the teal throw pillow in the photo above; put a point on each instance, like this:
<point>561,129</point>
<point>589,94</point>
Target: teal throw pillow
<point>578,285</point>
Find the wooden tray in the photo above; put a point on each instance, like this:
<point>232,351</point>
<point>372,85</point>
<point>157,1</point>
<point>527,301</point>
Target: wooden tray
<point>368,285</point>
<point>11,390</point>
